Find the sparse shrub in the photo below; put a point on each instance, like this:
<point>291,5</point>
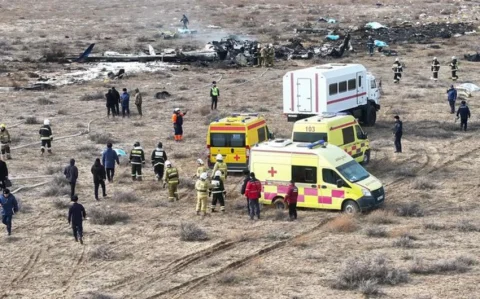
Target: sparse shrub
<point>31,120</point>
<point>60,180</point>
<point>228,278</point>
<point>62,112</point>
<point>466,226</point>
<point>459,265</point>
<point>183,88</point>
<point>263,109</point>
<point>279,215</point>
<point>239,81</point>
<point>404,242</point>
<point>355,271</point>
<point>369,287</point>
<point>125,197</point>
<point>61,204</point>
<point>92,96</point>
<point>342,224</point>
<point>143,39</point>
<point>186,183</point>
<point>178,155</point>
<point>54,54</point>
<point>277,235</point>
<point>434,226</point>
<point>101,138</point>
<point>380,217</point>
<point>53,169</point>
<point>376,232</point>
<point>102,252</point>
<point>94,295</point>
<point>138,124</point>
<point>404,171</point>
<point>55,190</point>
<point>191,232</point>
<point>409,209</point>
<point>102,216</point>
<point>423,184</point>
<point>44,101</point>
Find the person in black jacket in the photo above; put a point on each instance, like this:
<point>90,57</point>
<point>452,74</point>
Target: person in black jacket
<point>464,113</point>
<point>99,177</point>
<point>398,132</point>
<point>76,214</point>
<point>46,137</point>
<point>110,103</point>
<point>71,174</point>
<point>116,100</point>
<point>246,173</point>
<point>3,174</point>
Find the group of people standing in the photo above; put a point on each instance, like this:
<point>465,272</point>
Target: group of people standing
<point>114,99</point>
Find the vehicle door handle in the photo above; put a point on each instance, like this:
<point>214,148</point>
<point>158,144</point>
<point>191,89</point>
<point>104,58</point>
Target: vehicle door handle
<point>231,150</point>
<point>313,186</point>
<point>324,187</point>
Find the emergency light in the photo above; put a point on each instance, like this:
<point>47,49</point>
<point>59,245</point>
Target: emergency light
<point>322,143</point>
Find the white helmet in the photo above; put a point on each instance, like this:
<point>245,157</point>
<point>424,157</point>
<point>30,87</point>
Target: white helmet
<point>434,58</point>
<point>219,157</point>
<point>46,122</point>
<point>218,173</point>
<point>396,59</point>
<point>168,163</point>
<point>271,45</point>
<point>453,57</point>
<point>176,109</point>
<point>200,161</point>
<point>203,176</point>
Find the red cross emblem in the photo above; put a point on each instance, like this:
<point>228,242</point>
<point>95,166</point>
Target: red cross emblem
<point>272,172</point>
<point>237,157</point>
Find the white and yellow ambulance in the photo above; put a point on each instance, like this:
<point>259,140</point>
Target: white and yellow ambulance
<point>326,176</point>
<point>338,129</point>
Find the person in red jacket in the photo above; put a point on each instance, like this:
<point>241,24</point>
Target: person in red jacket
<point>291,200</point>
<point>253,192</point>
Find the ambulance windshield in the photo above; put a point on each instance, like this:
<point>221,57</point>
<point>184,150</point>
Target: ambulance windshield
<point>353,172</point>
<point>309,137</point>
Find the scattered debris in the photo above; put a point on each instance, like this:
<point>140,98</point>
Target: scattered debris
<point>214,27</point>
<point>374,26</point>
<point>186,31</point>
<point>333,37</point>
<point>328,20</point>
<point>168,34</point>
<point>473,57</point>
<point>162,95</point>
<point>380,44</point>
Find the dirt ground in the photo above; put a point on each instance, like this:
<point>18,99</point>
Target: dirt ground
<point>144,257</point>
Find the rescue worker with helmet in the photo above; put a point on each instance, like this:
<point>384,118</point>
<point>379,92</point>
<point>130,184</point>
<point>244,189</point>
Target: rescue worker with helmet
<point>158,160</point>
<point>177,120</point>
<point>137,159</point>
<point>201,168</point>
<point>370,45</point>
<point>5,141</point>
<point>218,192</point>
<point>214,94</point>
<point>172,179</point>
<point>46,136</point>
<point>397,70</point>
<point>270,55</point>
<point>202,186</point>
<point>435,68</point>
<point>454,68</point>
<point>220,165</point>
<point>263,56</point>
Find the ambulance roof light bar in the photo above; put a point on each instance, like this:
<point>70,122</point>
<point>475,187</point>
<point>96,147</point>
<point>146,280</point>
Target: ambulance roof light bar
<point>321,143</point>
<point>243,114</point>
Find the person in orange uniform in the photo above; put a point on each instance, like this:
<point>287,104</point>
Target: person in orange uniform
<point>177,120</point>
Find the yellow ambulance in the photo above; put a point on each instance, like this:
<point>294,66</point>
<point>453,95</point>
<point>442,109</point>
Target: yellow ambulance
<point>338,129</point>
<point>233,136</point>
<point>326,176</point>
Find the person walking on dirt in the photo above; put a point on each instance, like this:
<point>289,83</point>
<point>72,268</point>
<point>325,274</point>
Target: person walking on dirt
<point>116,98</point>
<point>76,214</point>
<point>452,97</point>
<point>109,157</point>
<point>454,68</point>
<point>201,168</point>
<point>218,192</point>
<point>398,132</point>
<point>137,159</point>
<point>46,137</point>
<point>253,192</point>
<point>291,200</point>
<point>99,176</point>
<point>214,94</point>
<point>185,21</point>
<point>125,98</point>
<point>370,45</point>
<point>464,113</point>
<point>71,174</point>
<point>172,179</point>
<point>138,101</point>
<point>159,156</point>
<point>5,141</point>
<point>177,120</point>
<point>9,208</point>
<point>435,68</point>
<point>201,186</point>
<point>3,174</point>
<point>110,103</point>
<point>270,55</point>
<point>246,178</point>
<point>220,165</point>
<point>397,70</point>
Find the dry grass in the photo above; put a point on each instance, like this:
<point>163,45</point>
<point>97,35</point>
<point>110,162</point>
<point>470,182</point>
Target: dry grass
<point>107,216</point>
<point>103,252</point>
<point>342,224</point>
<point>456,265</point>
<point>423,184</point>
<point>380,217</point>
<point>102,138</point>
<point>92,96</point>
<point>404,242</point>
<point>376,232</point>
<point>190,232</point>
<point>31,120</point>
<point>54,169</point>
<point>466,226</point>
<point>61,204</point>
<point>125,197</point>
<point>409,209</point>
<point>44,101</point>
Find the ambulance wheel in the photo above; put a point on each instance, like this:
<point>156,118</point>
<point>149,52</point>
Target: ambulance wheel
<point>370,116</point>
<point>366,158</point>
<point>350,207</point>
<point>279,204</point>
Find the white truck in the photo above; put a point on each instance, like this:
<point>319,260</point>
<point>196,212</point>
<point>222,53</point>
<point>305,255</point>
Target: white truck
<point>331,88</point>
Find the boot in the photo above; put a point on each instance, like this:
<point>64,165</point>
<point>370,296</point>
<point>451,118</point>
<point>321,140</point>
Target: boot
<point>42,151</point>
<point>139,179</point>
<point>198,213</point>
<point>8,156</point>
<point>81,240</point>
<point>49,151</point>
<point>134,178</point>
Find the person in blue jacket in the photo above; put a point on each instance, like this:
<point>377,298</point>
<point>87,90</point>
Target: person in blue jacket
<point>9,208</point>
<point>452,97</point>
<point>125,99</point>
<point>109,157</point>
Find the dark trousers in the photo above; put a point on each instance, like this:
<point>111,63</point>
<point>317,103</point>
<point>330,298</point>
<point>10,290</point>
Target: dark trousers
<point>5,148</point>
<point>452,106</point>
<point>98,184</point>
<point>248,207</point>
<point>47,144</point>
<point>125,111</point>
<point>117,109</point>
<point>77,229</point>
<point>398,142</point>
<point>435,75</point>
<point>110,173</point>
<point>454,75</point>
<point>139,109</point>
<point>370,50</point>
<point>397,76</point>
<point>2,184</point>
<point>292,210</point>
<point>218,197</point>
<point>158,169</point>
<point>111,109</point>
<point>137,171</point>
<point>254,208</point>
<point>7,220</point>
<point>463,124</point>
<point>214,103</point>
<point>72,188</point>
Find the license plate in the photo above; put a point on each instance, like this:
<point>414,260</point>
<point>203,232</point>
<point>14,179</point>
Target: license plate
<point>380,198</point>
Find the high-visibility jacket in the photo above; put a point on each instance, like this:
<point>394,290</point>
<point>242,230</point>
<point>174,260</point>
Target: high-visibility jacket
<point>177,119</point>
<point>171,175</point>
<point>46,133</point>
<point>214,92</point>
<point>201,186</point>
<point>222,166</point>
<point>454,65</point>
<point>137,156</point>
<point>158,156</point>
<point>4,136</point>
<point>397,68</point>
<point>201,169</point>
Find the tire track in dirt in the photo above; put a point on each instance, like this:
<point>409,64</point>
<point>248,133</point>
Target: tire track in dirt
<point>189,285</point>
<point>75,265</point>
<point>27,267</point>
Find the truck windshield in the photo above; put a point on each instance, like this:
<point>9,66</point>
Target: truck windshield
<point>353,172</point>
<point>309,137</point>
<point>227,140</point>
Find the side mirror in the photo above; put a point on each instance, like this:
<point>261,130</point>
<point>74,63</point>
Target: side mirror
<point>364,135</point>
<point>339,183</point>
